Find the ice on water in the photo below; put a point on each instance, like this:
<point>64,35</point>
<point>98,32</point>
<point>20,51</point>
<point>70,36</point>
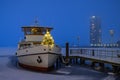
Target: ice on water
<point>10,72</point>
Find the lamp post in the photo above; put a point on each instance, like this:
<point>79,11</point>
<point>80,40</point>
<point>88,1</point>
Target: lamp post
<point>78,39</point>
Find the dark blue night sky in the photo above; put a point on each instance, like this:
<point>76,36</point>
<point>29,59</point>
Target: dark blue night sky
<point>69,18</point>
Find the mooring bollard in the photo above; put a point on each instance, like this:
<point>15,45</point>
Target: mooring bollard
<point>67,54</point>
<point>101,66</point>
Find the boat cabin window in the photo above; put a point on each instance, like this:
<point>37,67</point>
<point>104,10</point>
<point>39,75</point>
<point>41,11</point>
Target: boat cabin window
<point>28,33</point>
<point>24,46</point>
<point>35,30</point>
<point>36,43</point>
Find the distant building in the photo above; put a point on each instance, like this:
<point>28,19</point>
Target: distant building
<point>95,31</point>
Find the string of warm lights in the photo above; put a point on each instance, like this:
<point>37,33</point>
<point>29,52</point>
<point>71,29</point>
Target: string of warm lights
<point>48,39</point>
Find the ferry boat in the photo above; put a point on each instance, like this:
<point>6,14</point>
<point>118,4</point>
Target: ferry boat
<point>37,51</point>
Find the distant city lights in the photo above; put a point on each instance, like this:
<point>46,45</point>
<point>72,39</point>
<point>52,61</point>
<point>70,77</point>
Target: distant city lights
<point>93,16</point>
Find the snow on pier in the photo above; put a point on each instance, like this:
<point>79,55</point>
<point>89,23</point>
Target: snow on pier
<point>107,55</point>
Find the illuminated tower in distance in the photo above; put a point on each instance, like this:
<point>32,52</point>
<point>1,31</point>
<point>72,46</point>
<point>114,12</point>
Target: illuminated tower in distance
<point>95,31</point>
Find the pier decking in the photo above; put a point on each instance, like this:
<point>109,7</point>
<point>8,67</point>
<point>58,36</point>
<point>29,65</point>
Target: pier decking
<point>104,55</point>
<point>95,55</point>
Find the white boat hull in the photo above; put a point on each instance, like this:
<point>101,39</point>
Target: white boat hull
<point>40,61</point>
<point>37,58</point>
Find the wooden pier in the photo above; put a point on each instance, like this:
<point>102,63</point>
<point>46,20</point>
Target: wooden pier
<point>101,56</point>
<point>104,55</point>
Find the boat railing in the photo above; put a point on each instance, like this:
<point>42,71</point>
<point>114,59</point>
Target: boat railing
<point>29,46</point>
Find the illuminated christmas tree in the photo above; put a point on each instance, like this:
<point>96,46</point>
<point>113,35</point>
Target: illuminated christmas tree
<point>48,39</point>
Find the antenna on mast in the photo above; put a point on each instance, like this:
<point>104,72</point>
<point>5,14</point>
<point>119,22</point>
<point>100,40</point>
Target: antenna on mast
<point>36,21</point>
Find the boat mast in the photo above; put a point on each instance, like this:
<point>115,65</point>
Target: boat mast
<point>36,23</point>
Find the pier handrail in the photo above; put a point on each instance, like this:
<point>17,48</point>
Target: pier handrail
<point>110,55</point>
